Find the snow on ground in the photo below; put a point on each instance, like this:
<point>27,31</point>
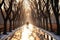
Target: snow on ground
<point>29,32</point>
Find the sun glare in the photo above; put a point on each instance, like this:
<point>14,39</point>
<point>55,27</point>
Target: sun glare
<point>26,4</point>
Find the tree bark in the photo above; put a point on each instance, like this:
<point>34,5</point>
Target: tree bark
<point>50,23</point>
<point>5,27</point>
<point>58,25</point>
<point>10,29</point>
<point>46,24</point>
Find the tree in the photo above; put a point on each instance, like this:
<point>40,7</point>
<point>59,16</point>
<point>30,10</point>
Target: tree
<point>54,4</point>
<point>5,14</point>
<point>48,12</point>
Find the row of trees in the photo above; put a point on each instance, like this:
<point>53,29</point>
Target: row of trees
<point>48,8</point>
<point>44,10</point>
<point>10,11</point>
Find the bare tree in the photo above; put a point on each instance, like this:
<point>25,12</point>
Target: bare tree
<point>54,4</point>
<point>5,14</point>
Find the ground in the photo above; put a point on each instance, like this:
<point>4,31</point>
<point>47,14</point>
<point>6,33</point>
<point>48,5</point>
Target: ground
<point>29,32</point>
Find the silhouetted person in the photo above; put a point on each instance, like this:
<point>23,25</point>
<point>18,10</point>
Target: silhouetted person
<point>27,23</point>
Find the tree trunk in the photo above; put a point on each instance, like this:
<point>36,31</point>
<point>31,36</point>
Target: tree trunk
<point>46,24</point>
<point>50,23</point>
<point>58,25</point>
<point>41,22</point>
<point>10,29</point>
<point>13,25</point>
<point>48,12</point>
<point>5,27</point>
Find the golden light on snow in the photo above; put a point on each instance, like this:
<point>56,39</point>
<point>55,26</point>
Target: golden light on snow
<point>30,32</point>
<point>27,30</point>
<point>26,33</point>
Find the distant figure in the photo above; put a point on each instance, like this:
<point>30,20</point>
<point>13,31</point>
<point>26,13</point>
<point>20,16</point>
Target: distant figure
<point>27,23</point>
